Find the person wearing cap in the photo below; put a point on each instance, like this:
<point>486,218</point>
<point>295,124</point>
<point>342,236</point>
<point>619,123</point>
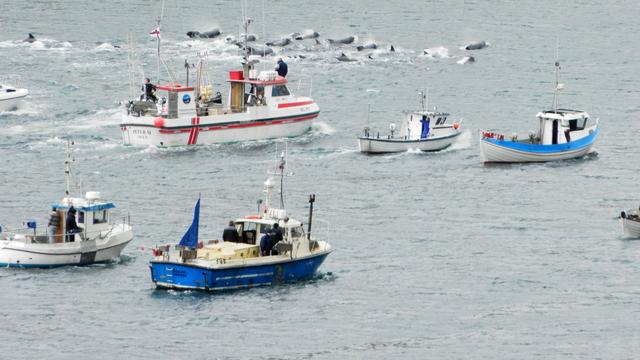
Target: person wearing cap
<point>54,222</point>
<point>282,68</point>
<point>71,225</point>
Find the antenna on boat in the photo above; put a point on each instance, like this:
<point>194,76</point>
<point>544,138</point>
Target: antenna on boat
<point>67,168</point>
<point>424,97</point>
<point>558,86</point>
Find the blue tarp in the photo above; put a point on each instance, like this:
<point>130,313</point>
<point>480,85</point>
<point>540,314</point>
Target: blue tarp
<point>190,238</point>
<point>425,127</point>
<point>95,207</point>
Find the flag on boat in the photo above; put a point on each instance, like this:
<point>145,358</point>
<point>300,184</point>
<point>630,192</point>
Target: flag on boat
<point>190,238</point>
<point>155,32</point>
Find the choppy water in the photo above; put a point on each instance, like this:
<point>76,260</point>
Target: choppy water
<point>436,255</point>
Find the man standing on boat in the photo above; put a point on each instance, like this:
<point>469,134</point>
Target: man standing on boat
<point>282,68</point>
<point>71,226</point>
<point>230,233</point>
<point>149,90</point>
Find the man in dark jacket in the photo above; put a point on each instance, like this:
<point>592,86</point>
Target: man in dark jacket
<point>71,225</point>
<point>282,68</point>
<point>149,90</point>
<point>230,233</point>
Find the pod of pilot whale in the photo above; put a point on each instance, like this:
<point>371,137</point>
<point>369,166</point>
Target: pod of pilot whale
<point>367,46</point>
<point>281,42</point>
<point>476,45</point>
<point>344,40</point>
<point>204,35</point>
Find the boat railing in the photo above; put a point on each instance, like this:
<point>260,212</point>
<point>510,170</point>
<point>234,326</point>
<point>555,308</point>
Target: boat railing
<point>320,234</point>
<point>303,82</point>
<point>40,237</point>
<point>10,81</point>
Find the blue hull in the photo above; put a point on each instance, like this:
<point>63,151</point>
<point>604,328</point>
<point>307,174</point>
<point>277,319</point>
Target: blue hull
<point>188,276</point>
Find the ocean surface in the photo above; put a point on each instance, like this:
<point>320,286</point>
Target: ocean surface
<point>436,255</point>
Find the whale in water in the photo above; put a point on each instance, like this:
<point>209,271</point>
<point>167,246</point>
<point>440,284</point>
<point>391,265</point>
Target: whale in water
<point>306,35</point>
<point>344,40</point>
<point>250,37</point>
<point>477,45</point>
<point>466,59</point>
<point>344,57</point>
<point>258,50</point>
<point>367,46</point>
<point>204,35</point>
<point>30,38</point>
<point>281,42</point>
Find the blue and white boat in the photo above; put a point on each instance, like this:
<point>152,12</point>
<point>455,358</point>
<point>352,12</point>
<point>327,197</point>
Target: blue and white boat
<point>562,134</point>
<point>215,264</point>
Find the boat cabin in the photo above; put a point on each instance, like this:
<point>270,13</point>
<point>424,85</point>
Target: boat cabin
<point>260,89</point>
<point>251,228</point>
<point>561,126</point>
<point>92,216</point>
<point>418,124</point>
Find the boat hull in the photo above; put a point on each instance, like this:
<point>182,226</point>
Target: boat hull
<point>631,228</point>
<point>506,151</point>
<point>21,255</point>
<point>187,276</point>
<point>380,146</point>
<point>220,129</point>
<point>10,101</point>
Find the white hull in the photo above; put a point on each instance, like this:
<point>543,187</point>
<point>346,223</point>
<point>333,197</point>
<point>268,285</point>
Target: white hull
<point>9,100</point>
<point>493,153</point>
<point>256,123</point>
<point>21,254</point>
<point>379,146</point>
<point>631,228</point>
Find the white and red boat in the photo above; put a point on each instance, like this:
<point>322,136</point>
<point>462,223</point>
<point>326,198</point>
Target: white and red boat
<point>260,107</point>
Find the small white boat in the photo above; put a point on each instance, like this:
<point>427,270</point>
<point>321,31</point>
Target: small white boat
<point>10,97</point>
<point>97,237</point>
<point>562,134</point>
<point>419,130</point>
<point>631,222</point>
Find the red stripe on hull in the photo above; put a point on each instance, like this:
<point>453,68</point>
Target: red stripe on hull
<point>293,104</point>
<point>237,126</point>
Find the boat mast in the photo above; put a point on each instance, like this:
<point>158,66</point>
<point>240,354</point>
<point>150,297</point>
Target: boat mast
<point>67,169</point>
<point>281,167</point>
<point>557,87</point>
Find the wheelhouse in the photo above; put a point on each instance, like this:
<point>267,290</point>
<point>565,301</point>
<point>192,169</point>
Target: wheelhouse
<point>561,125</point>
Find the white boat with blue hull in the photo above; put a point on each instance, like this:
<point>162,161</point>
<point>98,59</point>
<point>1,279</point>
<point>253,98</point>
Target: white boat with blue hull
<point>95,237</point>
<point>240,260</point>
<point>419,130</point>
<point>562,134</point>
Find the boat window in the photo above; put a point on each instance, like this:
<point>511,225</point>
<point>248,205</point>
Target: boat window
<point>297,232</point>
<point>279,90</point>
<point>577,124</point>
<point>81,217</point>
<point>441,120</point>
<point>100,217</point>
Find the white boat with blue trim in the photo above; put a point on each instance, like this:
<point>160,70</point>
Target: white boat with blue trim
<point>631,222</point>
<point>562,134</point>
<point>96,236</point>
<point>260,106</point>
<point>419,130</point>
<point>240,259</point>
